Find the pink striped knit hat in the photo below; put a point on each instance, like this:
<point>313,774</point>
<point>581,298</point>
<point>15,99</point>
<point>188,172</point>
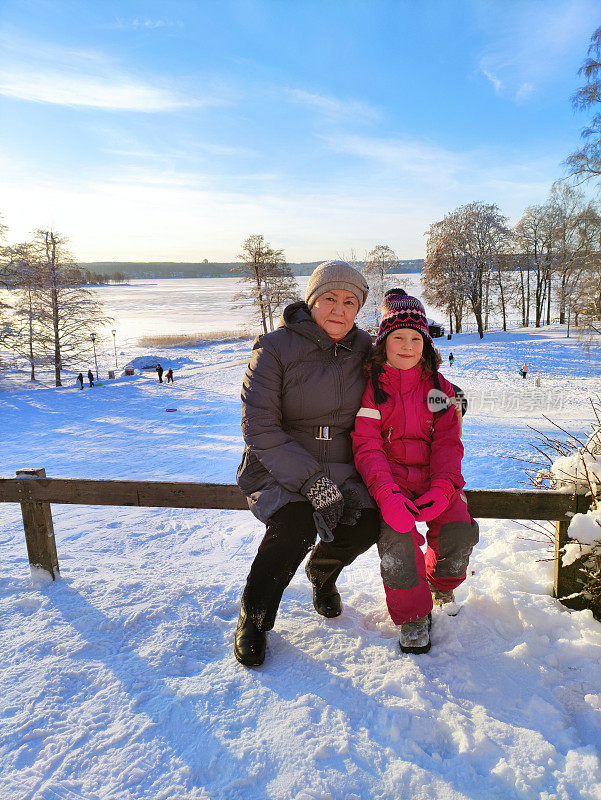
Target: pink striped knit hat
<point>400,310</point>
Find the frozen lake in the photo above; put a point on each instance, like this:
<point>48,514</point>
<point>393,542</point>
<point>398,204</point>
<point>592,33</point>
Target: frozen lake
<point>196,305</point>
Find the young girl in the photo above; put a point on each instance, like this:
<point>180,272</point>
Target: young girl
<point>408,451</point>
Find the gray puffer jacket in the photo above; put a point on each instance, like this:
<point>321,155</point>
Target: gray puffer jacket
<point>300,385</point>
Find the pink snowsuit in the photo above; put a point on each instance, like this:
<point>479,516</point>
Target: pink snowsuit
<point>402,442</point>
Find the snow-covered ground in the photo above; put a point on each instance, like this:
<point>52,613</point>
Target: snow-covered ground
<point>118,681</point>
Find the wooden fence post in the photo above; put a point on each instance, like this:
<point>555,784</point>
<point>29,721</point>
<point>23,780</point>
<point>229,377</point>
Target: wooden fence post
<point>567,580</point>
<point>39,530</point>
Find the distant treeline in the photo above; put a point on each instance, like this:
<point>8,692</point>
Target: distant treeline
<point>174,269</point>
<point>90,277</point>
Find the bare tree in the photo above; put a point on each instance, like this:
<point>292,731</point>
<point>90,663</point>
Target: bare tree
<point>502,272</point>
<point>585,163</point>
<point>440,278</point>
<point>555,241</point>
<point>3,252</point>
<point>535,237</point>
<point>476,235</point>
<point>26,334</point>
<point>69,313</point>
<point>577,226</point>
<point>5,282</point>
<point>587,301</point>
<point>269,279</point>
<point>378,263</point>
<point>281,287</point>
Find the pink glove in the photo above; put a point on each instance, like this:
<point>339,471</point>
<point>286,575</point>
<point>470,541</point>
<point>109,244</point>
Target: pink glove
<point>431,504</point>
<point>398,511</point>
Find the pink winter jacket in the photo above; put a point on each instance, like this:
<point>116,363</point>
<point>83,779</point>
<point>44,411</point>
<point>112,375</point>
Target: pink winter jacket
<point>401,441</point>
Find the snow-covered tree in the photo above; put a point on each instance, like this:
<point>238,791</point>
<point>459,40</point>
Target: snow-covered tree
<point>26,333</point>
<point>268,280</point>
<point>5,282</point>
<point>536,236</point>
<point>577,229</point>
<point>69,313</point>
<point>378,263</point>
<point>440,278</point>
<point>555,242</point>
<point>587,301</point>
<point>476,235</point>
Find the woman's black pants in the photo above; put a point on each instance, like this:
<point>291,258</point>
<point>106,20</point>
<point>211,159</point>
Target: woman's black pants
<point>290,535</point>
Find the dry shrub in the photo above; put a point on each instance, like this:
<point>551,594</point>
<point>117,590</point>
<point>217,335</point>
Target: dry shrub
<point>192,339</point>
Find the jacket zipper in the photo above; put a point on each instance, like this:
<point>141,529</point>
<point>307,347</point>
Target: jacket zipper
<point>340,380</point>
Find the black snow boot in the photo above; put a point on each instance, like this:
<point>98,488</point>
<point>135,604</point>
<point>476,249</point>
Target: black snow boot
<point>329,606</point>
<point>249,644</point>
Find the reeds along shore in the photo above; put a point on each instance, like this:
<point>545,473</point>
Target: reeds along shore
<point>191,339</point>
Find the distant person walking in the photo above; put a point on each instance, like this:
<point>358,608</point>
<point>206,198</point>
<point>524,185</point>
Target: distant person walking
<point>79,380</point>
<point>524,370</point>
<point>451,359</point>
<point>169,375</point>
<point>90,377</point>
<point>159,370</point>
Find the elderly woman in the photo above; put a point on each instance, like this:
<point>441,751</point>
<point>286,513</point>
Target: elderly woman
<point>300,394</point>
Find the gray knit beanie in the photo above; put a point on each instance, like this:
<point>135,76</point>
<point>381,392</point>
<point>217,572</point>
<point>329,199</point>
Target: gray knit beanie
<point>336,275</point>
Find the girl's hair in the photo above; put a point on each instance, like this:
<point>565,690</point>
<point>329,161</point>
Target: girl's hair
<point>374,364</point>
<point>377,357</point>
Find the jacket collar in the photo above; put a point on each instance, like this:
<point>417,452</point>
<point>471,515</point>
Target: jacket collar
<point>297,317</point>
<point>401,379</point>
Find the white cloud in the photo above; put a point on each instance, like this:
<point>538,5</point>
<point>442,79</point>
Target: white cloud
<point>148,24</point>
<point>114,92</point>
<point>160,214</point>
<point>525,91</point>
<point>170,153</point>
<point>493,79</point>
<point>529,43</point>
<point>423,161</point>
<point>333,106</point>
<point>41,73</point>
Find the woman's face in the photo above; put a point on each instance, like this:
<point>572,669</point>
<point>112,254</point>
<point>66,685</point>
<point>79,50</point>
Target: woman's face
<point>335,312</point>
<point>404,348</point>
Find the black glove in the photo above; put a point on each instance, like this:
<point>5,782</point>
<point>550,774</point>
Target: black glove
<point>328,503</point>
<point>353,504</point>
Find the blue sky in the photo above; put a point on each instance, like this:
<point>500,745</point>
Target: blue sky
<point>171,131</point>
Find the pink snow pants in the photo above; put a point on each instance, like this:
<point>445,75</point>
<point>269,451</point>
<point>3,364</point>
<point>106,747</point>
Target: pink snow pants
<point>405,569</point>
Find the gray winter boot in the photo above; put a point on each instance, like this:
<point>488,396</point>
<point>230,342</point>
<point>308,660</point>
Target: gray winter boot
<point>444,600</point>
<point>415,636</point>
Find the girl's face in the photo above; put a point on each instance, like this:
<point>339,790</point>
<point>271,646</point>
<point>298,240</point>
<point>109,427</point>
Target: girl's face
<point>335,312</point>
<point>404,348</point>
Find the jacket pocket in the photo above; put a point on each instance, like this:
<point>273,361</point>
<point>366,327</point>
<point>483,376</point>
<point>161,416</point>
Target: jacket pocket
<point>250,472</point>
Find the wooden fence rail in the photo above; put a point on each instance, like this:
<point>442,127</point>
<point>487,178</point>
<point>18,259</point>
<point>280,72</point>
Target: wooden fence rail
<point>34,491</point>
